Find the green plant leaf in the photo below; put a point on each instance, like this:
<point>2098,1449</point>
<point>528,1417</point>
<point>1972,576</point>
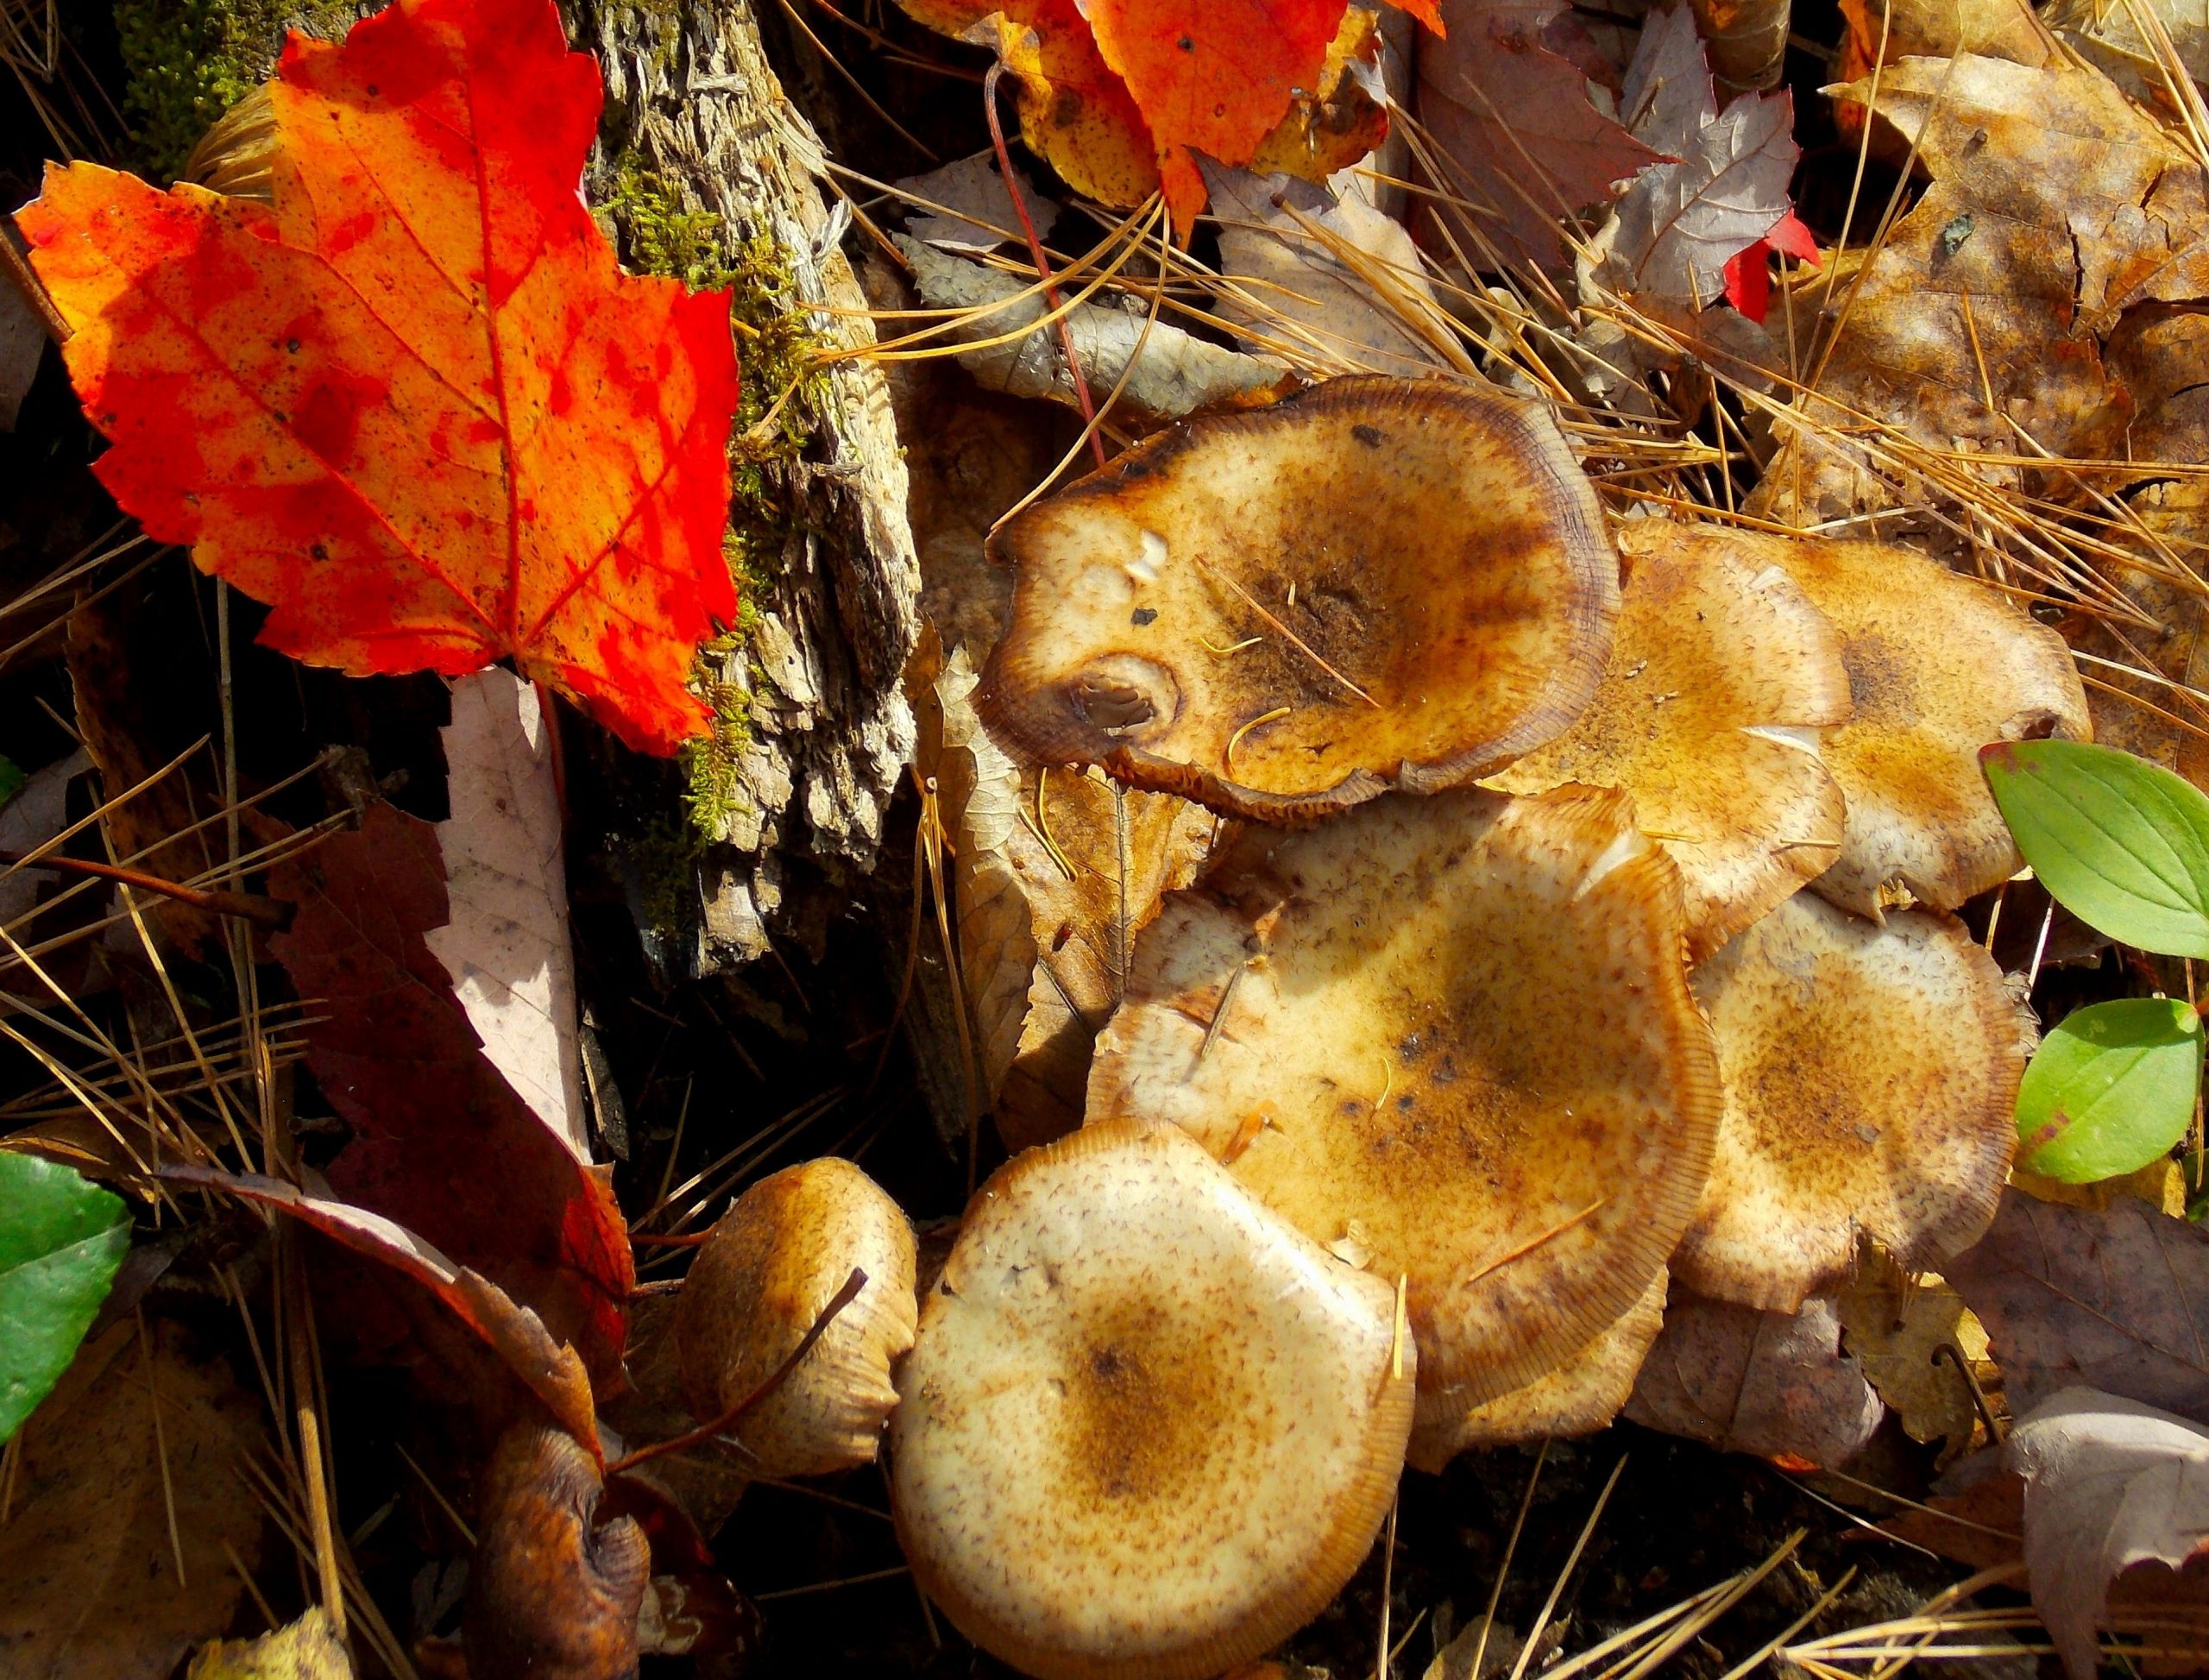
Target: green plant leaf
<point>61,1241</point>
<point>2109,1089</point>
<point>11,779</point>
<point>2121,843</point>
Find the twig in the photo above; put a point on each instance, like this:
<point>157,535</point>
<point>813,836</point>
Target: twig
<point>706,1431</point>
<point>25,279</point>
<point>246,906</point>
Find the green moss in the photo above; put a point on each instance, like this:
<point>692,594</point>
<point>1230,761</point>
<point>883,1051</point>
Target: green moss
<point>185,62</point>
<point>779,411</point>
<point>666,856</point>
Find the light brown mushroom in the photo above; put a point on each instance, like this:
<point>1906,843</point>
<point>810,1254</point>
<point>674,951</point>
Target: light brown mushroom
<point>1721,676</point>
<point>1579,1397</point>
<point>1377,582</point>
<point>1938,666</point>
<point>1147,1428</point>
<point>1452,1038</point>
<point>765,1275</point>
<point>1870,1074</point>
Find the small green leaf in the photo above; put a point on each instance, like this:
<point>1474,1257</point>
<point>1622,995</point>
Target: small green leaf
<point>2120,843</point>
<point>11,779</point>
<point>2110,1089</point>
<point>61,1241</point>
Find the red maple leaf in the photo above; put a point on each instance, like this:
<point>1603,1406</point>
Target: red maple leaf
<point>1748,272</point>
<point>413,404</point>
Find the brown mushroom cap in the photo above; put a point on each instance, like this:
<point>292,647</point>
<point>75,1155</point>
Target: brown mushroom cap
<point>1938,666</point>
<point>1451,1038</point>
<point>1870,1075</point>
<point>1147,1428</point>
<point>1283,613</point>
<point>1721,675</point>
<point>1579,1398</point>
<point>767,1271</point>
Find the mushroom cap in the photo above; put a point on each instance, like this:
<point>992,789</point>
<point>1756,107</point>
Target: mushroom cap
<point>1579,1398</point>
<point>1147,1428</point>
<point>766,1274</point>
<point>1938,666</point>
<point>1459,1048</point>
<point>1721,675</point>
<point>1282,613</point>
<point>1870,1072</point>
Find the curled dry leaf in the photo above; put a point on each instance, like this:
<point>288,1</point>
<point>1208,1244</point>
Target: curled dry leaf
<point>1505,99</point>
<point>1362,1019</point>
<point>1962,333</point>
<point>1721,675</point>
<point>1581,1396</point>
<point>1166,372</point>
<point>550,1596</point>
<point>2115,1492</point>
<point>1938,666</point>
<point>1147,1428</point>
<point>1895,1324</point>
<point>505,942</point>
<point>769,1269</point>
<point>433,1121</point>
<point>1776,1384</point>
<point>2116,1300</point>
<point>524,457</point>
<point>1375,583</point>
<point>515,1337</point>
<point>99,1583</point>
<point>1871,1073</point>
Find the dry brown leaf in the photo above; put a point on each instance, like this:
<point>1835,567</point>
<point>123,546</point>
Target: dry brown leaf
<point>308,1649</point>
<point>1772,1383</point>
<point>1747,41</point>
<point>1377,582</point>
<point>1721,675</point>
<point>1581,1396</point>
<point>96,1587</point>
<point>1871,1074</point>
<point>1895,1323</point>
<point>1362,1020</point>
<point>1965,331</point>
<point>2109,33</point>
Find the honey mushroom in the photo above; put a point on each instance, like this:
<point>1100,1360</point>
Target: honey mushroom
<point>1376,583</point>
<point>1147,1428</point>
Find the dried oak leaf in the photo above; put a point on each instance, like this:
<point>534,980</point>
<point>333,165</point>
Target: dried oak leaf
<point>436,1126</point>
<point>413,404</point>
<point>2116,1492</point>
<point>1505,99</point>
<point>1115,93</point>
<point>551,1595</point>
<point>126,1510</point>
<point>1365,1021</point>
<point>1722,674</point>
<point>1776,1384</point>
<point>1378,582</point>
<point>2116,1300</point>
<point>1871,1074</point>
<point>1965,330</point>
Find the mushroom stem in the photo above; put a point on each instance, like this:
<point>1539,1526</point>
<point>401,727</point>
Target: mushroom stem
<point>706,1431</point>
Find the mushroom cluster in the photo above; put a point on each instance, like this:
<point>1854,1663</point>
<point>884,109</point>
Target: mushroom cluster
<point>1579,940</point>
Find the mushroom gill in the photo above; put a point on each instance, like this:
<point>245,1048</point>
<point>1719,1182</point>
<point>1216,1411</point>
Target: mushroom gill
<point>1283,613</point>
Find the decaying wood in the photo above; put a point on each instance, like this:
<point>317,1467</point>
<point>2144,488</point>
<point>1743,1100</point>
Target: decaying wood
<point>690,92</point>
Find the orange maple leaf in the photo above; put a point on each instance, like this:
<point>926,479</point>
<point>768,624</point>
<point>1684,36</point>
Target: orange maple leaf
<point>413,404</point>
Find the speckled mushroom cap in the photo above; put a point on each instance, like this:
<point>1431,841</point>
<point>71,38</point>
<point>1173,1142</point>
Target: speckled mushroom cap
<point>767,1271</point>
<point>1282,613</point>
<point>1451,1038</point>
<point>1870,1073</point>
<point>1938,666</point>
<point>1579,1397</point>
<point>1148,1429</point>
<point>1721,676</point>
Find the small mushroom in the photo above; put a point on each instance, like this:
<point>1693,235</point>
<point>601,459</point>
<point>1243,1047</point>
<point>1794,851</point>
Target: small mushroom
<point>1283,613</point>
<point>1452,1038</point>
<point>766,1275</point>
<point>1147,1428</point>
<point>1579,1398</point>
<point>1721,675</point>
<point>1870,1075</point>
<point>1938,666</point>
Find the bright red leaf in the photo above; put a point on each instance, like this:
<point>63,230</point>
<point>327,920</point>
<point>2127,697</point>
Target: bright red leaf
<point>1748,272</point>
<point>414,404</point>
